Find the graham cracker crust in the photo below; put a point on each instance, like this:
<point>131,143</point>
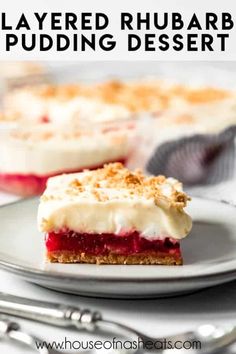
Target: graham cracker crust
<point>142,259</point>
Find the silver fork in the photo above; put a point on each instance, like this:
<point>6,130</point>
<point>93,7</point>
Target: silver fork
<point>212,338</point>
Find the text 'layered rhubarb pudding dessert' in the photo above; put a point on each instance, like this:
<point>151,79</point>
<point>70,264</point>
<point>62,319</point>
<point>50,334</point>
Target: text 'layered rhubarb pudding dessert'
<point>30,155</point>
<point>113,216</point>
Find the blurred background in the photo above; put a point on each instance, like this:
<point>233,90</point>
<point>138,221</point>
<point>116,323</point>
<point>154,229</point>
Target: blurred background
<point>199,153</point>
<point>221,74</point>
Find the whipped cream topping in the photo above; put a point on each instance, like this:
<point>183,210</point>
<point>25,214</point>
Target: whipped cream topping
<point>81,108</point>
<point>113,100</point>
<point>28,105</point>
<point>24,104</point>
<point>114,200</point>
<point>47,149</point>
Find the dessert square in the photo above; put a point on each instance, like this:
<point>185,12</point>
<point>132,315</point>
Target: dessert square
<point>113,216</point>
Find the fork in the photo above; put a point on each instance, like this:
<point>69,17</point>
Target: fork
<point>212,338</point>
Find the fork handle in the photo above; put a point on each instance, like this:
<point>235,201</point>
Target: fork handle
<point>47,312</point>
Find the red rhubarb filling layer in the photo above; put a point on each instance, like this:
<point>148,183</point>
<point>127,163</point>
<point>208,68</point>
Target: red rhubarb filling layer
<point>29,184</point>
<point>104,244</point>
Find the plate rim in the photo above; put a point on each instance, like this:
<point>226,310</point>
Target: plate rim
<point>27,271</point>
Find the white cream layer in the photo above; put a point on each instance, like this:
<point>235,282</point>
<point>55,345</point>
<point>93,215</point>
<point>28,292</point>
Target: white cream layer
<point>121,213</point>
<point>57,154</point>
<point>26,105</point>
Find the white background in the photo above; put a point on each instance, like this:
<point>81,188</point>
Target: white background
<point>113,9</point>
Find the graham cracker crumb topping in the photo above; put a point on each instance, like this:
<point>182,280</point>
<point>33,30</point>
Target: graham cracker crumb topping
<point>116,177</point>
<point>137,96</point>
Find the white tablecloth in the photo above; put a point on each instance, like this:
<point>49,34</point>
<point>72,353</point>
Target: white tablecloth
<point>155,317</point>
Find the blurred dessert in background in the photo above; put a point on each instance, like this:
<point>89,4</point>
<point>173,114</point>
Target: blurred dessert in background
<point>29,156</point>
<point>106,101</point>
<point>62,104</point>
<point>149,113</point>
<point>101,102</point>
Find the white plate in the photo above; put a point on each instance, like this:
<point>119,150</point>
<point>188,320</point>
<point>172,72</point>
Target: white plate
<point>209,257</point>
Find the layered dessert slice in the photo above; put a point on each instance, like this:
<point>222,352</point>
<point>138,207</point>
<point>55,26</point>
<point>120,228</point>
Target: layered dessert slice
<point>30,155</point>
<point>113,216</point>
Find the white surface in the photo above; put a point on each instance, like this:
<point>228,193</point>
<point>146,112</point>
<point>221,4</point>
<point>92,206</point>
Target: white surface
<point>7,198</point>
<point>155,317</point>
<point>224,191</point>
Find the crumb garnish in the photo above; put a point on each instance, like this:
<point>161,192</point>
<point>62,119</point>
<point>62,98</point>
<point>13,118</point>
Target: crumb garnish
<point>127,183</point>
<point>136,96</point>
